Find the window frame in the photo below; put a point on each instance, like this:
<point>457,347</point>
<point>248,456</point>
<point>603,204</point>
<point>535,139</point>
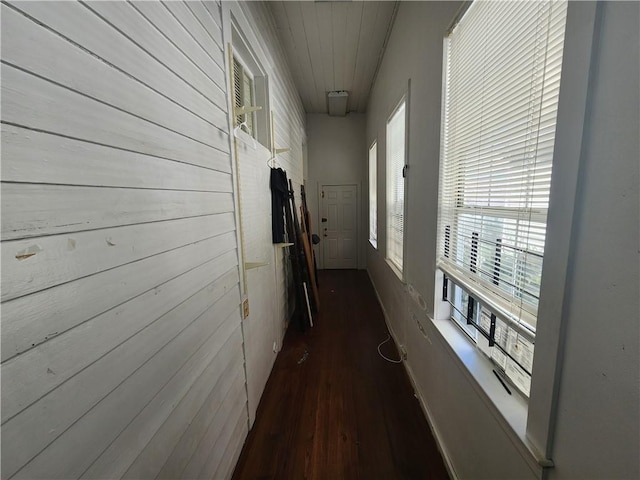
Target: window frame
<point>471,227</point>
<point>250,117</point>
<point>531,424</point>
<point>401,104</point>
<point>373,195</point>
<point>508,349</point>
<point>494,178</point>
<point>244,55</point>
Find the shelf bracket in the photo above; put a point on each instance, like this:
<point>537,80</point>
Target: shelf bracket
<point>242,110</point>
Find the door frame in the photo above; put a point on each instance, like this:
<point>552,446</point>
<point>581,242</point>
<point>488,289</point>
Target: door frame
<point>319,228</point>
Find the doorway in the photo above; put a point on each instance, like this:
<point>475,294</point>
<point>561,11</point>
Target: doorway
<point>339,226</point>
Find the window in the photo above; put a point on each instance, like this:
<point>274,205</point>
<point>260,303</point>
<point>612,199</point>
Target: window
<point>373,194</point>
<point>243,94</point>
<point>503,67</point>
<point>509,347</point>
<point>250,90</point>
<point>395,186</point>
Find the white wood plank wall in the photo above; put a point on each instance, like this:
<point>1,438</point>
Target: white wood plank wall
<point>289,119</point>
<point>260,327</point>
<point>267,286</point>
<point>122,349</point>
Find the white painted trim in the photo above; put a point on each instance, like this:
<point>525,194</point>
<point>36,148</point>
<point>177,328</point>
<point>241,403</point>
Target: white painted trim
<point>225,16</point>
<point>373,242</point>
<point>405,179</point>
<point>434,431</point>
<point>477,369</point>
<point>226,38</point>
<point>404,98</point>
<point>580,40</point>
<point>395,269</point>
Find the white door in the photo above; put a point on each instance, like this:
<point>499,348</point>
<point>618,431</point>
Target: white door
<point>339,226</point>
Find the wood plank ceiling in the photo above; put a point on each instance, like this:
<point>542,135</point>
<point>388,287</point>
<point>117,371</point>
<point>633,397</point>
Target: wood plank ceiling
<point>333,45</point>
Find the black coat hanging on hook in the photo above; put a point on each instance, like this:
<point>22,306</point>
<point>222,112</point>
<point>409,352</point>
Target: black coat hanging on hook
<point>279,196</point>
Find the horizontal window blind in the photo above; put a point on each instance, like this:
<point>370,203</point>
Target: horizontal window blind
<point>243,95</point>
<point>373,193</point>
<point>247,97</point>
<point>395,186</point>
<point>237,89</point>
<point>503,67</point>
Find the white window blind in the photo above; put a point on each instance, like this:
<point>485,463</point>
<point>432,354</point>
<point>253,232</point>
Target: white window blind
<point>395,186</point>
<point>243,95</point>
<point>503,67</point>
<point>373,193</point>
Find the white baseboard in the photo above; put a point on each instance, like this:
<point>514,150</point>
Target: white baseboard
<point>423,405</point>
<point>436,434</point>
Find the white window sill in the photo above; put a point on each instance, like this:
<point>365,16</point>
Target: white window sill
<point>510,411</point>
<point>395,269</point>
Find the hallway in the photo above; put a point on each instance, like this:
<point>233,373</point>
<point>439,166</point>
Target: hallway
<point>492,217</point>
<point>333,408</point>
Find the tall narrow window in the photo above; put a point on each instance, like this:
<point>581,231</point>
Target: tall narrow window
<point>503,67</point>
<point>243,94</point>
<point>373,194</point>
<point>395,186</point>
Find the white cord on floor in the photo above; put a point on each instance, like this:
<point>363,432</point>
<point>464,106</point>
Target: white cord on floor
<point>382,355</point>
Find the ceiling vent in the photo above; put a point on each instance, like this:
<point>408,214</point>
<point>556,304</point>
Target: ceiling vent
<point>337,103</point>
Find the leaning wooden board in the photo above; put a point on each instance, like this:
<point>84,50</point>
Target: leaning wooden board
<point>308,226</point>
<point>309,254</point>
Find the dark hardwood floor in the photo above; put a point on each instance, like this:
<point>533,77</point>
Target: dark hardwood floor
<point>343,412</point>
